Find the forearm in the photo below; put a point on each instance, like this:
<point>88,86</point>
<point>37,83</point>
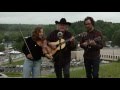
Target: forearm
<point>82,46</point>
<point>97,46</point>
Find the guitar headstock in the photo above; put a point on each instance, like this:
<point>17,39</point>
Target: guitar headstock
<point>83,34</point>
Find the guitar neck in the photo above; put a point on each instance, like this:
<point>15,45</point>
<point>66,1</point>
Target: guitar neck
<point>79,35</point>
<point>73,38</point>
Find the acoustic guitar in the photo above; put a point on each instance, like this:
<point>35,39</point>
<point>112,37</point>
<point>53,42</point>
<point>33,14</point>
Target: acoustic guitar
<point>60,44</point>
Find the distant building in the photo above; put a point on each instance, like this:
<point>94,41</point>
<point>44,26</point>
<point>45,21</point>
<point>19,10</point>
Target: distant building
<point>108,44</point>
<point>2,53</point>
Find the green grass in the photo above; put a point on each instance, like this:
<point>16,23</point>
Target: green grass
<point>14,63</point>
<point>77,73</point>
<point>74,73</point>
<point>111,70</point>
<point>12,74</point>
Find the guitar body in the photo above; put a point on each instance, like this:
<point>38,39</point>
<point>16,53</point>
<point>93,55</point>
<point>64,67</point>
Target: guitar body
<point>60,44</point>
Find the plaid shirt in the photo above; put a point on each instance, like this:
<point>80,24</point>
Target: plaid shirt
<point>92,52</point>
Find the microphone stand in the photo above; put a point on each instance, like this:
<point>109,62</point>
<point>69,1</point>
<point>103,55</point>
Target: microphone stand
<point>60,43</point>
<point>59,52</point>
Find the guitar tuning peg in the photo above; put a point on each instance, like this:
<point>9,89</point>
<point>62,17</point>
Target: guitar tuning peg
<point>84,34</point>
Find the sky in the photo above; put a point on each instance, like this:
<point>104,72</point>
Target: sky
<point>51,17</point>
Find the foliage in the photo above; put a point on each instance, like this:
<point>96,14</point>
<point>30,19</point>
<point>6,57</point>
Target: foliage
<point>2,48</point>
<point>116,38</point>
<point>11,32</point>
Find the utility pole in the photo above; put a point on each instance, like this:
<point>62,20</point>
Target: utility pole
<point>10,59</point>
<point>113,53</point>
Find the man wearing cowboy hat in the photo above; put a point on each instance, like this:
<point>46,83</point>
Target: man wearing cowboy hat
<point>62,57</point>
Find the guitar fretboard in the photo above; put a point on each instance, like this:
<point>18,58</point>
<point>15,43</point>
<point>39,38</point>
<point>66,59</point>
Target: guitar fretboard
<point>79,35</point>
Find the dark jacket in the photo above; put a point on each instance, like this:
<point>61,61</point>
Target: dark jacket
<point>35,49</point>
<point>66,52</point>
<point>92,52</point>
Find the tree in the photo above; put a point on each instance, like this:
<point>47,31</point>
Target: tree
<point>18,44</point>
<point>1,37</point>
<point>2,48</point>
<point>116,38</point>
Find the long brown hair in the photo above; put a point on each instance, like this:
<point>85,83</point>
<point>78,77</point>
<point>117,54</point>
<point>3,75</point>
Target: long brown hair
<point>35,33</point>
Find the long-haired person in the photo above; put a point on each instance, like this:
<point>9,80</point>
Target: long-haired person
<point>33,50</point>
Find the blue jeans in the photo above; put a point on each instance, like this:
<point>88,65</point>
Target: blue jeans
<point>92,68</point>
<point>32,68</point>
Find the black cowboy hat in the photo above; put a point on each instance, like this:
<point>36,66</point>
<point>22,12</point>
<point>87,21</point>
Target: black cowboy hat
<point>63,21</point>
